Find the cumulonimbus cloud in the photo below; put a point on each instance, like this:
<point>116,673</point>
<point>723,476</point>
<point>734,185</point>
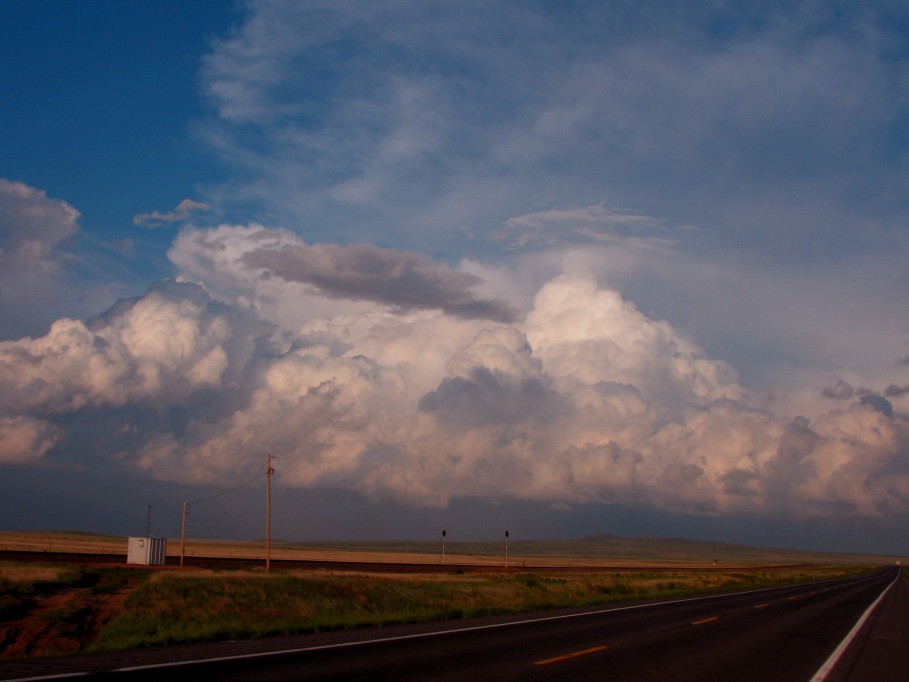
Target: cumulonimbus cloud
<point>584,400</point>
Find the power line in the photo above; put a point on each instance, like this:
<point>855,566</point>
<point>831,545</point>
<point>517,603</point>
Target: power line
<point>227,492</point>
<point>186,505</point>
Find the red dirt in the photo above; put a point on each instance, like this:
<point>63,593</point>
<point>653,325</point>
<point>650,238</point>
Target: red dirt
<point>64,622</point>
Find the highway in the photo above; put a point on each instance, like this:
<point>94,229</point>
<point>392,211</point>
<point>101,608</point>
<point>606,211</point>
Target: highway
<point>778,634</point>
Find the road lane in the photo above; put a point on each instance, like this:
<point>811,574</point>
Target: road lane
<point>880,651</point>
<point>780,634</point>
<point>787,640</point>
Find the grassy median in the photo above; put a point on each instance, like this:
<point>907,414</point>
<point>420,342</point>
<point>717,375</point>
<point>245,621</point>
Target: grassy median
<point>205,606</point>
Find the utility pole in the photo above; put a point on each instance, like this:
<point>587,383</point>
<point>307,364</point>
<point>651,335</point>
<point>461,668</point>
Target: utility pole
<point>269,472</point>
<point>506,549</point>
<point>443,546</point>
<point>183,533</point>
<point>148,522</point>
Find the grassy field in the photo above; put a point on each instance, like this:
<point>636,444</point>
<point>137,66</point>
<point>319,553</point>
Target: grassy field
<point>197,606</point>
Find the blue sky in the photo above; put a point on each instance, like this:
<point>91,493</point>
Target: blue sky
<point>105,94</point>
<point>576,267</point>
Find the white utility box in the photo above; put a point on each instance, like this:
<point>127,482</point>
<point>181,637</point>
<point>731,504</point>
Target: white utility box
<point>147,551</point>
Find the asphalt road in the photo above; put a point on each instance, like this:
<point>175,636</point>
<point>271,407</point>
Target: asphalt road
<point>881,648</point>
<point>775,634</point>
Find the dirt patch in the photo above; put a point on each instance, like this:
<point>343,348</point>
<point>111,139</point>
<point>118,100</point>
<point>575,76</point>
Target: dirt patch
<point>67,621</point>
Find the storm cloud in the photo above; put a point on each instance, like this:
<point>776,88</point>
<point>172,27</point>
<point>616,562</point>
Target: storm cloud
<point>584,400</point>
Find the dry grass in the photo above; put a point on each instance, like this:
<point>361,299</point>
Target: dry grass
<point>67,542</point>
<point>29,573</point>
<point>597,552</point>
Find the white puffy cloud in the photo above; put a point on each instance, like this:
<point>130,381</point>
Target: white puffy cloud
<point>587,335</point>
<point>33,230</point>
<point>159,348</point>
<point>24,439</point>
<point>31,227</point>
<point>216,256</point>
<point>151,353</point>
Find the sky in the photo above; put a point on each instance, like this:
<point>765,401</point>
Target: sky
<point>557,268</point>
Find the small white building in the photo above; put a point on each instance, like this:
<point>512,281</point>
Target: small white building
<point>146,551</point>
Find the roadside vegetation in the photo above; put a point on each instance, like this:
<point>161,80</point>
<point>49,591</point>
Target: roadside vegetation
<point>195,606</point>
<point>21,584</point>
<point>48,609</point>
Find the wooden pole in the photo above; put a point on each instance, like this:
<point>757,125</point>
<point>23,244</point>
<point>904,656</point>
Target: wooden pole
<point>183,534</point>
<point>268,474</point>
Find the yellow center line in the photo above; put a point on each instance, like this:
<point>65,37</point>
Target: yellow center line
<point>762,606</point>
<point>793,598</point>
<point>706,620</point>
<point>574,654</point>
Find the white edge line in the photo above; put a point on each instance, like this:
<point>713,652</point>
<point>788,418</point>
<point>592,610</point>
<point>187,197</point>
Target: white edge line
<point>57,676</point>
<point>834,658</point>
<point>342,645</point>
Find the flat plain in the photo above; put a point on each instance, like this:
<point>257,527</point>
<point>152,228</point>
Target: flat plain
<point>594,552</point>
<point>73,592</point>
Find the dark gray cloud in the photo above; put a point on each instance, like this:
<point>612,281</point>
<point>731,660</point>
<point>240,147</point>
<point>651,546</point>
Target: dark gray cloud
<point>894,391</point>
<point>879,403</point>
<point>486,397</point>
<point>388,276</point>
<point>841,390</point>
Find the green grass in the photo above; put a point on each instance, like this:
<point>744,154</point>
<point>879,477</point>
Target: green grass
<point>174,608</point>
